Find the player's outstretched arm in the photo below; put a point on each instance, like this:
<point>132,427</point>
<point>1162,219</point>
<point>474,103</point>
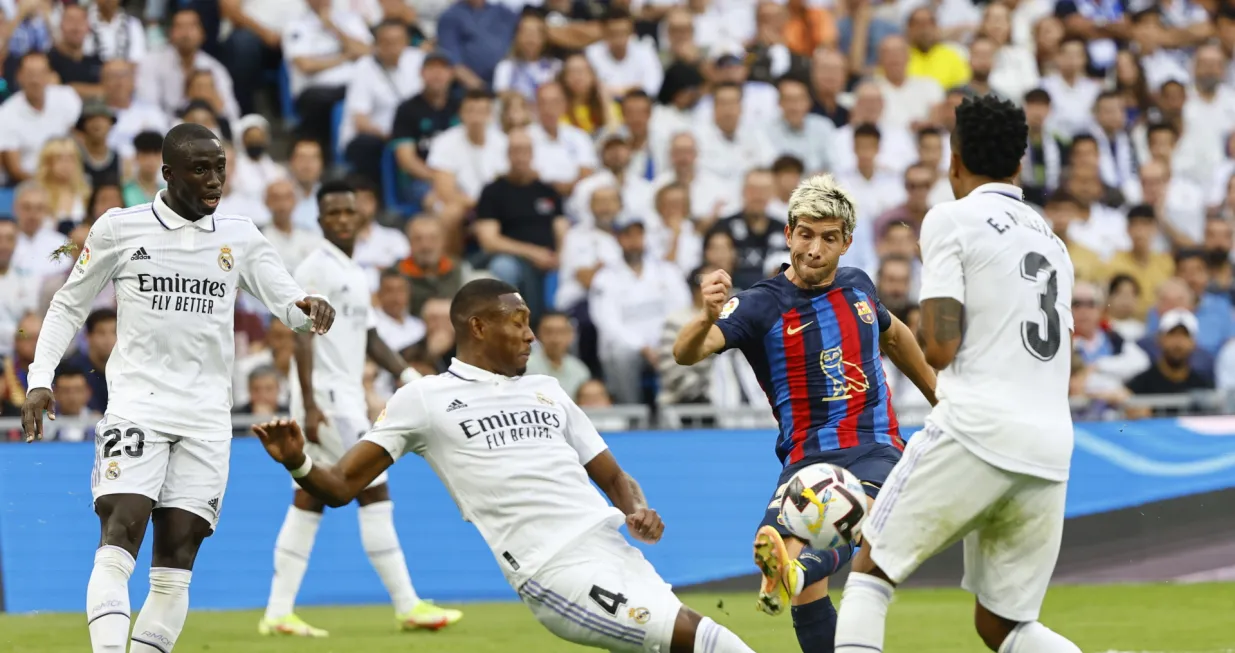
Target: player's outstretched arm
<point>336,485</point>
<point>701,337</point>
<point>263,275</point>
<point>626,495</point>
<point>943,329</point>
<point>387,359</point>
<point>899,343</point>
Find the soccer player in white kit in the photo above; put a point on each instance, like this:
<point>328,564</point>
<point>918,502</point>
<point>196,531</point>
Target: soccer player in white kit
<point>991,466</point>
<point>164,442</point>
<point>517,454</point>
<point>328,396</point>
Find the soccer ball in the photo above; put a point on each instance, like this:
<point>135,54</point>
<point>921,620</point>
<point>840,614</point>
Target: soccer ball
<point>824,505</point>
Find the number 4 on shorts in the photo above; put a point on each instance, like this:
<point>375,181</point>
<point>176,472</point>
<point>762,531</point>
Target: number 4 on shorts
<point>608,601</point>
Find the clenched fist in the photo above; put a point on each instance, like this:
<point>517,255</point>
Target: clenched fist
<point>715,287</point>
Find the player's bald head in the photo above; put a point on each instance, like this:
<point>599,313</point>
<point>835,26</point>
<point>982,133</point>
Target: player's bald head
<point>181,137</point>
<point>481,298</point>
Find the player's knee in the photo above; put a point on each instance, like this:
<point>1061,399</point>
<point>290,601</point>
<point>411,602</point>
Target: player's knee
<point>123,521</point>
<point>992,628</point>
<point>304,501</point>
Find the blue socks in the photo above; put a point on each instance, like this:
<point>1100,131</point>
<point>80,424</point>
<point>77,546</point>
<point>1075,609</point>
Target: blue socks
<point>815,624</point>
<point>821,564</point>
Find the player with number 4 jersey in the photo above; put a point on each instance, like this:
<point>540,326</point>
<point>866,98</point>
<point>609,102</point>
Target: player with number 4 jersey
<point>991,465</point>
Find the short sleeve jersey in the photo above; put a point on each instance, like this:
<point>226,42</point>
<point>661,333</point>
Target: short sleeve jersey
<point>816,355</point>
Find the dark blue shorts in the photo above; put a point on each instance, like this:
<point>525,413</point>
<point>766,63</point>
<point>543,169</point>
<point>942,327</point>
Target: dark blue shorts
<point>871,463</point>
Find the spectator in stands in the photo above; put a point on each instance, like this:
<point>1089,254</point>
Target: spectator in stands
<point>553,358</point>
<point>418,121</point>
<point>163,74</point>
<point>1118,160</point>
<point>74,412</point>
<point>675,239</point>
<point>396,325</point>
<point>897,240</point>
<point>147,178</point>
<point>100,341</point>
<point>379,84</point>
<point>102,199</point>
<point>275,352</point>
<point>1172,371</point>
<point>521,225</point>
<point>1072,94</point>
<point>528,65</point>
<point>894,283</point>
<point>919,179</point>
<point>132,116</point>
<point>683,384</point>
<point>40,112</point>
<point>17,288</point>
<point>880,188</point>
<point>1100,228</point>
<point>477,35</point>
<point>254,46</point>
<point>929,56</point>
<point>68,58</point>
<point>759,98</point>
<point>1209,111</point>
<point>709,195</point>
<point>908,99</point>
<point>636,110</point>
<point>37,238</point>
<point>719,251</point>
<point>760,240</point>
<point>1015,72</point>
<point>377,247</point>
<point>1219,248</point>
<point>636,192</point>
<point>588,106</point>
<point>563,154</point>
<point>60,175</point>
<point>1178,203</point>
<point>233,203</point>
<point>306,162</point>
<point>769,54</point>
<point>438,344</point>
<point>293,243</point>
<point>1040,169</point>
<point>113,33</point>
<point>1213,311</point>
<point>861,32</point>
<point>263,401</point>
<point>828,79</point>
<point>199,86</point>
<point>676,112</point>
<point>896,144</point>
<point>677,37</point>
<point>629,303</point>
<point>1148,39</point>
<point>1149,268</point>
<point>799,133</point>
<point>464,159</point>
<point>1114,359</point>
<point>787,173</point>
<point>99,160</point>
<point>1123,307</point>
<point>622,60</point>
<point>586,248</point>
<point>431,273</point>
<point>593,394</point>
<point>17,367</point>
<point>255,170</point>
<point>727,150</point>
<point>1061,210</point>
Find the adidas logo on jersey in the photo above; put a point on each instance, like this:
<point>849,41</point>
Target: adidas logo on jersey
<point>140,255</point>
<point>455,405</point>
<point>213,503</point>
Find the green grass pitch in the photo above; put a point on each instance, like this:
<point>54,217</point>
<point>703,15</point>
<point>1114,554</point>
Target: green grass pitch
<point>1157,618</point>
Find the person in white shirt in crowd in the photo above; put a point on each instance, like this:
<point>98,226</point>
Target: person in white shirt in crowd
<point>1015,71</point>
<point>255,42</point>
<point>759,238</point>
<point>931,144</point>
<point>1112,360</point>
<point>622,59</point>
<point>1072,93</point>
<point>37,238</point>
<point>276,351</point>
<point>797,132</point>
<point>564,154</point>
<point>114,34</point>
<point>395,324</point>
<point>321,49</point>
<point>907,100</point>
<point>675,239</point>
<point>1117,155</point>
<point>1209,112</point>
<point>233,203</point>
<point>637,127</point>
<point>587,248</point>
<point>255,169</point>
<point>710,196</point>
<point>1148,38</point>
<point>675,112</point>
<point>74,418</point>
<point>18,288</point>
<point>528,65</point>
<point>464,158</point>
<point>378,247</point>
<point>379,84</point>
<point>556,334</point>
<point>1179,203</point>
<point>787,173</point>
<point>163,73</point>
<point>1099,228</point>
<point>306,162</point>
<point>40,112</point>
<point>629,303</point>
<point>615,170</point>
<point>759,98</point>
<point>133,116</point>
<point>291,242</point>
<point>879,189</point>
<point>727,148</point>
<point>896,144</point>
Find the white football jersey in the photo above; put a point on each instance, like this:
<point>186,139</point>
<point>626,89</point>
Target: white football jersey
<point>510,451</point>
<point>1005,396</point>
<point>176,283</point>
<point>338,356</point>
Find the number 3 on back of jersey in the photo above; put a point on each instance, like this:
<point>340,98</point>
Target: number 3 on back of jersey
<point>1042,339</point>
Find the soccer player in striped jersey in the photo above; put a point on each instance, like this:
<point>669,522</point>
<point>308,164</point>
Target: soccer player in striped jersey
<point>813,334</point>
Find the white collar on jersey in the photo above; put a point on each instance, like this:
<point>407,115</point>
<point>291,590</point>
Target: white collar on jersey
<point>474,374</point>
<point>172,221</point>
<point>334,251</point>
<point>1007,190</point>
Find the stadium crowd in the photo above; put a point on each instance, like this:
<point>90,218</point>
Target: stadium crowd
<point>603,155</point>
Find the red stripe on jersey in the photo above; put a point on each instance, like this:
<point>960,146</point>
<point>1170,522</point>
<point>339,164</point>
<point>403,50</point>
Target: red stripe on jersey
<point>795,374</point>
<point>851,353</point>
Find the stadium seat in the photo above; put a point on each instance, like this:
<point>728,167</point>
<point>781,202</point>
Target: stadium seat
<point>390,185</point>
<point>550,289</point>
<point>6,202</point>
<point>336,125</point>
<point>286,102</point>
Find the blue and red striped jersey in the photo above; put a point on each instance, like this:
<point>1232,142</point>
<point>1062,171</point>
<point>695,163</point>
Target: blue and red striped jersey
<point>816,354</point>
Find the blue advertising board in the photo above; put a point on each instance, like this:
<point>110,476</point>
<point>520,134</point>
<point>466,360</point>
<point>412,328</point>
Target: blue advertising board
<point>710,486</point>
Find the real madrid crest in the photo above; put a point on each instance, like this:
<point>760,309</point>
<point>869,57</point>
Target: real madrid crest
<point>543,399</point>
<point>113,471</point>
<point>225,258</point>
<point>639,615</point>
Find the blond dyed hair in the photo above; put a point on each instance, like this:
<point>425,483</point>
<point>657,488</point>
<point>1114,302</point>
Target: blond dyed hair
<point>821,198</point>
<point>75,186</point>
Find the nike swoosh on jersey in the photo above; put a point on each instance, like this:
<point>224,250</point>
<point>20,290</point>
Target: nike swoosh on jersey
<point>793,332</point>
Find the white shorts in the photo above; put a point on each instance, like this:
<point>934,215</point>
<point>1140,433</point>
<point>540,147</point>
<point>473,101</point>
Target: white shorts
<point>1011,523</point>
<point>340,433</point>
<point>174,471</point>
<point>601,592</point>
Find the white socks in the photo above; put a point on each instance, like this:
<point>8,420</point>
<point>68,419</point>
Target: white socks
<point>711,637</point>
<point>863,611</point>
<point>163,614</point>
<point>1033,637</point>
<point>107,600</point>
<point>291,558</point>
<point>381,543</point>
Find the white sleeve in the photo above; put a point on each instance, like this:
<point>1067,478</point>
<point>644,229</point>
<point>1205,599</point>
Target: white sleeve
<point>580,433</point>
<point>148,81</point>
<point>137,39</point>
<point>943,274</point>
<point>96,265</point>
<point>502,76</point>
<point>295,44</point>
<point>439,157</point>
<point>359,97</point>
<point>605,303</point>
<point>653,72</point>
<point>403,426</point>
<point>588,158</point>
<point>263,275</point>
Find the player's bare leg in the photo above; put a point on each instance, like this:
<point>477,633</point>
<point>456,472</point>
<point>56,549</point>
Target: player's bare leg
<point>122,522</point>
<point>291,559</point>
<point>694,633</point>
<point>178,534</point>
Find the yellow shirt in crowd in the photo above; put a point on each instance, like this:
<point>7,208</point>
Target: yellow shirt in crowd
<point>943,63</point>
<point>1149,275</point>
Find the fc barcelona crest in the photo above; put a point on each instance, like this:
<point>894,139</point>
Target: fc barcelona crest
<point>225,258</point>
<point>865,312</point>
